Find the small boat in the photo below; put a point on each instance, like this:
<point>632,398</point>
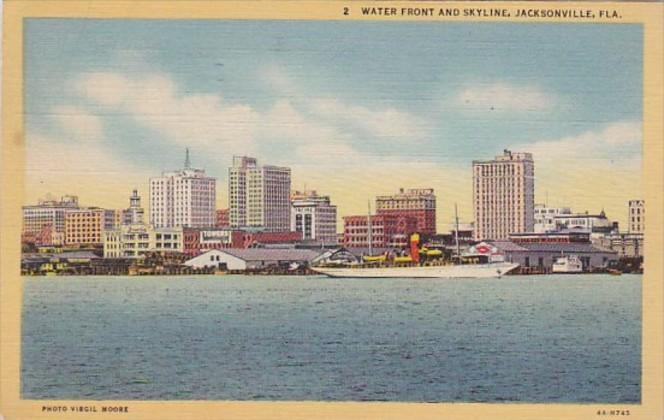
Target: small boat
<point>568,264</point>
<point>614,272</point>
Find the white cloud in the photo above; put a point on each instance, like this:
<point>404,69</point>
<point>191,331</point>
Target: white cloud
<point>380,123</point>
<point>154,100</point>
<point>592,170</point>
<point>504,97</point>
<point>617,142</point>
<point>77,123</point>
<point>287,127</point>
<point>386,124</point>
<point>51,157</point>
<point>207,122</point>
<point>89,169</point>
<point>108,89</point>
<point>278,79</point>
<point>622,133</point>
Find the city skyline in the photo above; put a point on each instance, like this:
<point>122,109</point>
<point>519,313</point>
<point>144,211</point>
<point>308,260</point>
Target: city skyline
<point>375,207</point>
<point>352,124</point>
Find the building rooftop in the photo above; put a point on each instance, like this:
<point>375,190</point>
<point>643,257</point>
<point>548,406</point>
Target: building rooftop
<point>572,247</point>
<point>408,193</point>
<point>508,156</point>
<point>308,197</point>
<point>601,215</point>
<point>507,246</point>
<point>272,254</point>
<point>78,255</point>
<point>244,162</point>
<point>185,173</point>
<point>562,232</point>
<point>50,201</point>
<point>566,247</point>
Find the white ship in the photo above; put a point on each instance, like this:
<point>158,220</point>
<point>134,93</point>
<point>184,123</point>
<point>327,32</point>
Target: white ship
<point>482,261</point>
<point>493,269</point>
<point>567,264</point>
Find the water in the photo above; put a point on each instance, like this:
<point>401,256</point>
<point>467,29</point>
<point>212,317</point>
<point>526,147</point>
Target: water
<point>521,338</point>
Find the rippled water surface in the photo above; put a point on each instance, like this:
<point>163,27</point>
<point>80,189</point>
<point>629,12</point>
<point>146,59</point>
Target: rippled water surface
<point>520,338</point>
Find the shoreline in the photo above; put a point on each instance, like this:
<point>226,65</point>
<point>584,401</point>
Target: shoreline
<point>207,275</point>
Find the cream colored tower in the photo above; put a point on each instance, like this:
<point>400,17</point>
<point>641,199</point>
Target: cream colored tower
<point>504,195</point>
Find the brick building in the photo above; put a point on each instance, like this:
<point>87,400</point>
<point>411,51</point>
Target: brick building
<point>199,240</point>
<point>86,226</point>
<point>222,218</point>
<point>419,204</point>
<point>387,230</point>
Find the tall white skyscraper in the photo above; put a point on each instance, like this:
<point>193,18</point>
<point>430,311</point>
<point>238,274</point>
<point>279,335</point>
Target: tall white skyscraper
<point>314,216</point>
<point>504,195</point>
<point>259,196</point>
<point>183,198</point>
<point>637,216</point>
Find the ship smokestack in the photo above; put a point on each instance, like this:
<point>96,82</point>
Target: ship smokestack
<point>414,247</point>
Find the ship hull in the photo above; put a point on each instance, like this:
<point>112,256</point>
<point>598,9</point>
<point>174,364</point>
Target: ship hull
<point>436,272</point>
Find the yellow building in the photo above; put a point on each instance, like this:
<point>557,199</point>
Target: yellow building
<point>85,227</point>
<point>138,240</point>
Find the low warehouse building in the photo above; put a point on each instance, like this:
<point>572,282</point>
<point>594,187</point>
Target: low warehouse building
<point>542,255</point>
<point>252,259</point>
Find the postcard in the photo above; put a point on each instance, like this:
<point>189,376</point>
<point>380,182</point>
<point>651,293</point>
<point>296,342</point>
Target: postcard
<point>332,209</point>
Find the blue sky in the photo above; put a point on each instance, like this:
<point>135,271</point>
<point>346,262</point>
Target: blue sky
<point>327,97</point>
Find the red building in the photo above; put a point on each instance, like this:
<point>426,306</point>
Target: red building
<point>222,218</point>
<point>191,242</point>
<point>47,236</point>
<point>416,203</point>
<point>199,240</point>
<point>387,230</point>
<point>244,239</point>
